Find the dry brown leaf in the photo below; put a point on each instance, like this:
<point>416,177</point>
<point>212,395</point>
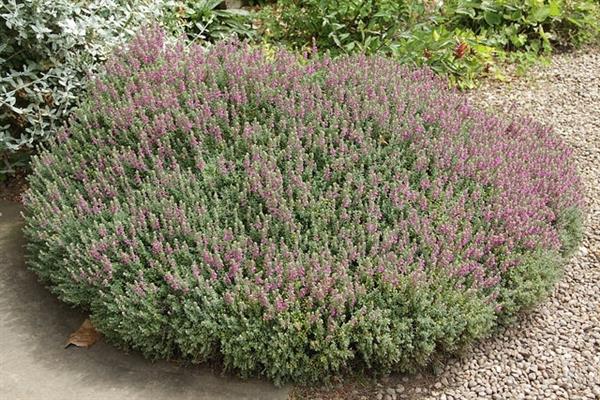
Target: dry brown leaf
<point>85,336</point>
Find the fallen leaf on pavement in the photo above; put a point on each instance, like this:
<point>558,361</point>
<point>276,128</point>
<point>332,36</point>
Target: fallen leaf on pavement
<point>85,336</point>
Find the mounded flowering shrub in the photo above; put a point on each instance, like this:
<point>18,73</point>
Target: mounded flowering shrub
<point>292,217</point>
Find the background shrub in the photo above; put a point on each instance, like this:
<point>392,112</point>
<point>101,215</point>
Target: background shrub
<point>295,217</point>
<point>463,39</point>
<point>368,26</point>
<point>48,48</point>
<point>209,20</point>
<point>531,25</point>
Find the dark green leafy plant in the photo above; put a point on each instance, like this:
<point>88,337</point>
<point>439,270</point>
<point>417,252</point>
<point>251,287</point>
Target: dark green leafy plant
<point>210,20</point>
<point>459,55</point>
<point>368,26</point>
<point>413,32</point>
<point>531,25</point>
<point>463,39</point>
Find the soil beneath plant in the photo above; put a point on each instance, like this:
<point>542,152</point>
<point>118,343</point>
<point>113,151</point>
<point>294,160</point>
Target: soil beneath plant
<point>13,187</point>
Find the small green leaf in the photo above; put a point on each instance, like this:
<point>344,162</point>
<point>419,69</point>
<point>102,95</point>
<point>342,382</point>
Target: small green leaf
<point>466,10</point>
<point>518,40</point>
<point>492,17</point>
<point>540,14</point>
<point>554,9</point>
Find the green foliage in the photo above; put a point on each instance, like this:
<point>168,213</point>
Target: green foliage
<point>413,32</point>
<point>341,26</point>
<point>531,25</point>
<point>209,20</point>
<point>48,48</point>
<point>525,286</point>
<point>458,54</point>
<point>570,226</point>
<point>463,39</point>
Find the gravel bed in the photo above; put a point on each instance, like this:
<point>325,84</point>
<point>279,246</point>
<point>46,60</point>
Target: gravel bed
<point>552,352</point>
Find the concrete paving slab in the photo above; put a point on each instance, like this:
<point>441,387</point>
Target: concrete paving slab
<point>35,365</point>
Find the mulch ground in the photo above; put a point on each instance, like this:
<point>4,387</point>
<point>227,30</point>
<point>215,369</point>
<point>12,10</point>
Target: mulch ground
<point>11,189</point>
